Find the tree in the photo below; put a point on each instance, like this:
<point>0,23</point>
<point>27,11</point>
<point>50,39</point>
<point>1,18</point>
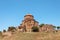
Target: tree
<point>54,26</point>
<point>12,28</point>
<point>4,30</point>
<point>0,33</point>
<point>41,25</point>
<point>35,29</point>
<point>58,27</point>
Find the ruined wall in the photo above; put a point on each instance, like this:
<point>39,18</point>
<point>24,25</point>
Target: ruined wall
<point>47,27</point>
<point>29,22</point>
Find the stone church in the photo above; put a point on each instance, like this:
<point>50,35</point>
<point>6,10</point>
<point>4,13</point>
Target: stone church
<point>28,23</point>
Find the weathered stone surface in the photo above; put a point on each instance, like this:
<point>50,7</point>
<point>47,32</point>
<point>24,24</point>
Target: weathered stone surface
<point>47,27</point>
<point>28,23</point>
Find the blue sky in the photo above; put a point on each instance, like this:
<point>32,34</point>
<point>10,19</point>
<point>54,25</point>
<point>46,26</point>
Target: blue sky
<point>45,11</point>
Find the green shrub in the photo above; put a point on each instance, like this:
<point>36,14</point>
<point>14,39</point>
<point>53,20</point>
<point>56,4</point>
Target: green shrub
<point>35,29</point>
<point>4,30</point>
<point>58,27</point>
<point>0,33</point>
<point>41,25</point>
<point>11,28</point>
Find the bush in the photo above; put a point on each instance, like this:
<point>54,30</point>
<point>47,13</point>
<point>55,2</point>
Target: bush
<point>11,29</point>
<point>58,27</point>
<point>41,25</point>
<point>4,30</point>
<point>0,33</point>
<point>35,29</point>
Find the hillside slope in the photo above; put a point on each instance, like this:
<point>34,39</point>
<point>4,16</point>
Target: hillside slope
<point>34,36</point>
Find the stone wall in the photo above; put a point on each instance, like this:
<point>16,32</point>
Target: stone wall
<point>29,22</point>
<point>46,27</point>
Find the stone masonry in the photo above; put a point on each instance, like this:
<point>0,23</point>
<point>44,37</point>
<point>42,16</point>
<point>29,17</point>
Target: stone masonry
<point>28,23</point>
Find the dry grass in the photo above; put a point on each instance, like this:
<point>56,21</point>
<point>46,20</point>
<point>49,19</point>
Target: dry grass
<point>0,37</point>
<point>34,36</point>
